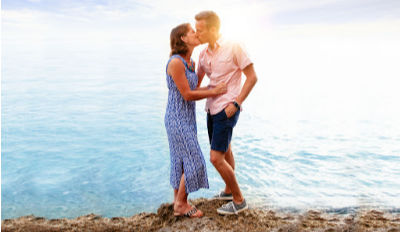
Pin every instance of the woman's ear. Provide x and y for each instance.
(183, 38)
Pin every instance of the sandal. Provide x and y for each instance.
(192, 213)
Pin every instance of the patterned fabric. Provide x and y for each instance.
(180, 123)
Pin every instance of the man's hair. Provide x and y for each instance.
(177, 44)
(211, 18)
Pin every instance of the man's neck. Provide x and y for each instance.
(213, 42)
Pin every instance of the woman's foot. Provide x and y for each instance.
(187, 211)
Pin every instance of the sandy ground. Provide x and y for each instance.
(251, 220)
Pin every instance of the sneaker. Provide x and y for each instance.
(223, 196)
(232, 208)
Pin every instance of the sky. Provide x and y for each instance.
(83, 18)
(308, 54)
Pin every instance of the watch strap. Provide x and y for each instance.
(236, 105)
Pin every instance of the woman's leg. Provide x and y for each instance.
(181, 197)
(181, 205)
(175, 194)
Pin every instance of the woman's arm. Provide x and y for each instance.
(177, 71)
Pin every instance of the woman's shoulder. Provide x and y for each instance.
(176, 61)
(175, 64)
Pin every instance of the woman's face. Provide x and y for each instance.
(190, 38)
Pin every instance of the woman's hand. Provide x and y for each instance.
(221, 88)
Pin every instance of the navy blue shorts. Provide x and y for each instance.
(220, 129)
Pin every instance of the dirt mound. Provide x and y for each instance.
(250, 220)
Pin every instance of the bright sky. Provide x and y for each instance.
(313, 58)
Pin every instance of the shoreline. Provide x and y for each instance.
(250, 220)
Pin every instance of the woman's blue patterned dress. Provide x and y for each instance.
(180, 123)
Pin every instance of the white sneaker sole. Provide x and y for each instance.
(223, 198)
(232, 213)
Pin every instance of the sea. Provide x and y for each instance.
(82, 131)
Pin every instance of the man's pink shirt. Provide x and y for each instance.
(224, 64)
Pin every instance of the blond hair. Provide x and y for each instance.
(211, 18)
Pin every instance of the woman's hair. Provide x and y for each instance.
(177, 44)
(211, 18)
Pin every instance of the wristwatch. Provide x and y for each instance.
(236, 105)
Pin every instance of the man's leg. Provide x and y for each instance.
(231, 161)
(228, 175)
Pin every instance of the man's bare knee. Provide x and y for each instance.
(229, 150)
(216, 157)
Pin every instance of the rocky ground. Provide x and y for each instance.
(251, 220)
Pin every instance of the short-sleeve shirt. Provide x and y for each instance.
(223, 64)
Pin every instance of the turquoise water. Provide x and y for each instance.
(83, 132)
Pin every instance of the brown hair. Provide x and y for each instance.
(177, 44)
(211, 18)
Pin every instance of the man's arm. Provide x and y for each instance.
(251, 79)
(200, 75)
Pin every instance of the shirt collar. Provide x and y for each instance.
(217, 44)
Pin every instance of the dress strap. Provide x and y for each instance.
(179, 57)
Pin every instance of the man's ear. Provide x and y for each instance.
(213, 30)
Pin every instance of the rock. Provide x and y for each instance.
(250, 220)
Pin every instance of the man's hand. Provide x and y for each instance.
(230, 110)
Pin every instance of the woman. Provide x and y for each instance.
(188, 168)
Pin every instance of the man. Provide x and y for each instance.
(223, 61)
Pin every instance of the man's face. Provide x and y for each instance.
(202, 31)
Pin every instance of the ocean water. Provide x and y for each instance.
(83, 132)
